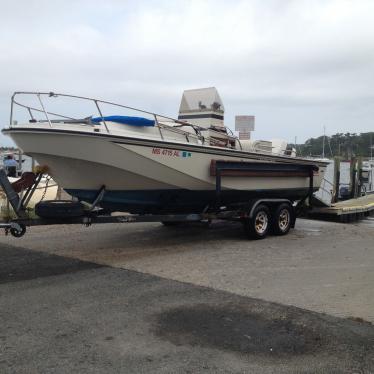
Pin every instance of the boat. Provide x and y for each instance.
(145, 163)
(46, 190)
(367, 177)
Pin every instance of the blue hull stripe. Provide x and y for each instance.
(177, 201)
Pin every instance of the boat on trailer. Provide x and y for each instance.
(147, 163)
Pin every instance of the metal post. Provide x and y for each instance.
(359, 177)
(218, 187)
(45, 112)
(101, 115)
(29, 193)
(159, 127)
(19, 167)
(310, 197)
(30, 112)
(336, 181)
(353, 174)
(11, 111)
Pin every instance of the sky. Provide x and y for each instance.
(295, 65)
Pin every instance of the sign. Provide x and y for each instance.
(244, 135)
(244, 123)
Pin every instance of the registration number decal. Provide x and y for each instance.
(170, 152)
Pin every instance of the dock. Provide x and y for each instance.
(346, 211)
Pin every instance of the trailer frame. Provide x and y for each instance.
(243, 212)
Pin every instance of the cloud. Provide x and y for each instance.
(296, 65)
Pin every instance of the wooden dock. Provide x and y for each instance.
(346, 211)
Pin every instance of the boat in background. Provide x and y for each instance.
(368, 176)
(146, 163)
(365, 181)
(46, 190)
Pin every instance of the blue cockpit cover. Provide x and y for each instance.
(126, 120)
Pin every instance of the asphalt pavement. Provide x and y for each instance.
(62, 313)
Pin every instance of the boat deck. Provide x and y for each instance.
(348, 210)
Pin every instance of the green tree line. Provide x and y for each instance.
(346, 145)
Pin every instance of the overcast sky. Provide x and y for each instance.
(296, 65)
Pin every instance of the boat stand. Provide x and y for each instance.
(30, 182)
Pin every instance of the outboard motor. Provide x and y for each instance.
(202, 107)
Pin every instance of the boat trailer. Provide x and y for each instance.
(243, 212)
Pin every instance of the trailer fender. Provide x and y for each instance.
(268, 202)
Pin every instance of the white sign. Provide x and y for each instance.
(244, 123)
(244, 135)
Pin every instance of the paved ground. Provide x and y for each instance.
(321, 266)
(60, 314)
(64, 316)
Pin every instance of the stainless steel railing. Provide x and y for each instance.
(157, 117)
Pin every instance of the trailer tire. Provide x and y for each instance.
(59, 209)
(282, 219)
(257, 226)
(18, 233)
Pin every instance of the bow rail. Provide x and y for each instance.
(98, 104)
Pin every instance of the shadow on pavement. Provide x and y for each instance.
(18, 264)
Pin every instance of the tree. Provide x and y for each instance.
(347, 145)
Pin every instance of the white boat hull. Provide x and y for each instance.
(145, 175)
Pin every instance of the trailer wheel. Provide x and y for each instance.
(59, 209)
(257, 227)
(18, 233)
(282, 219)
